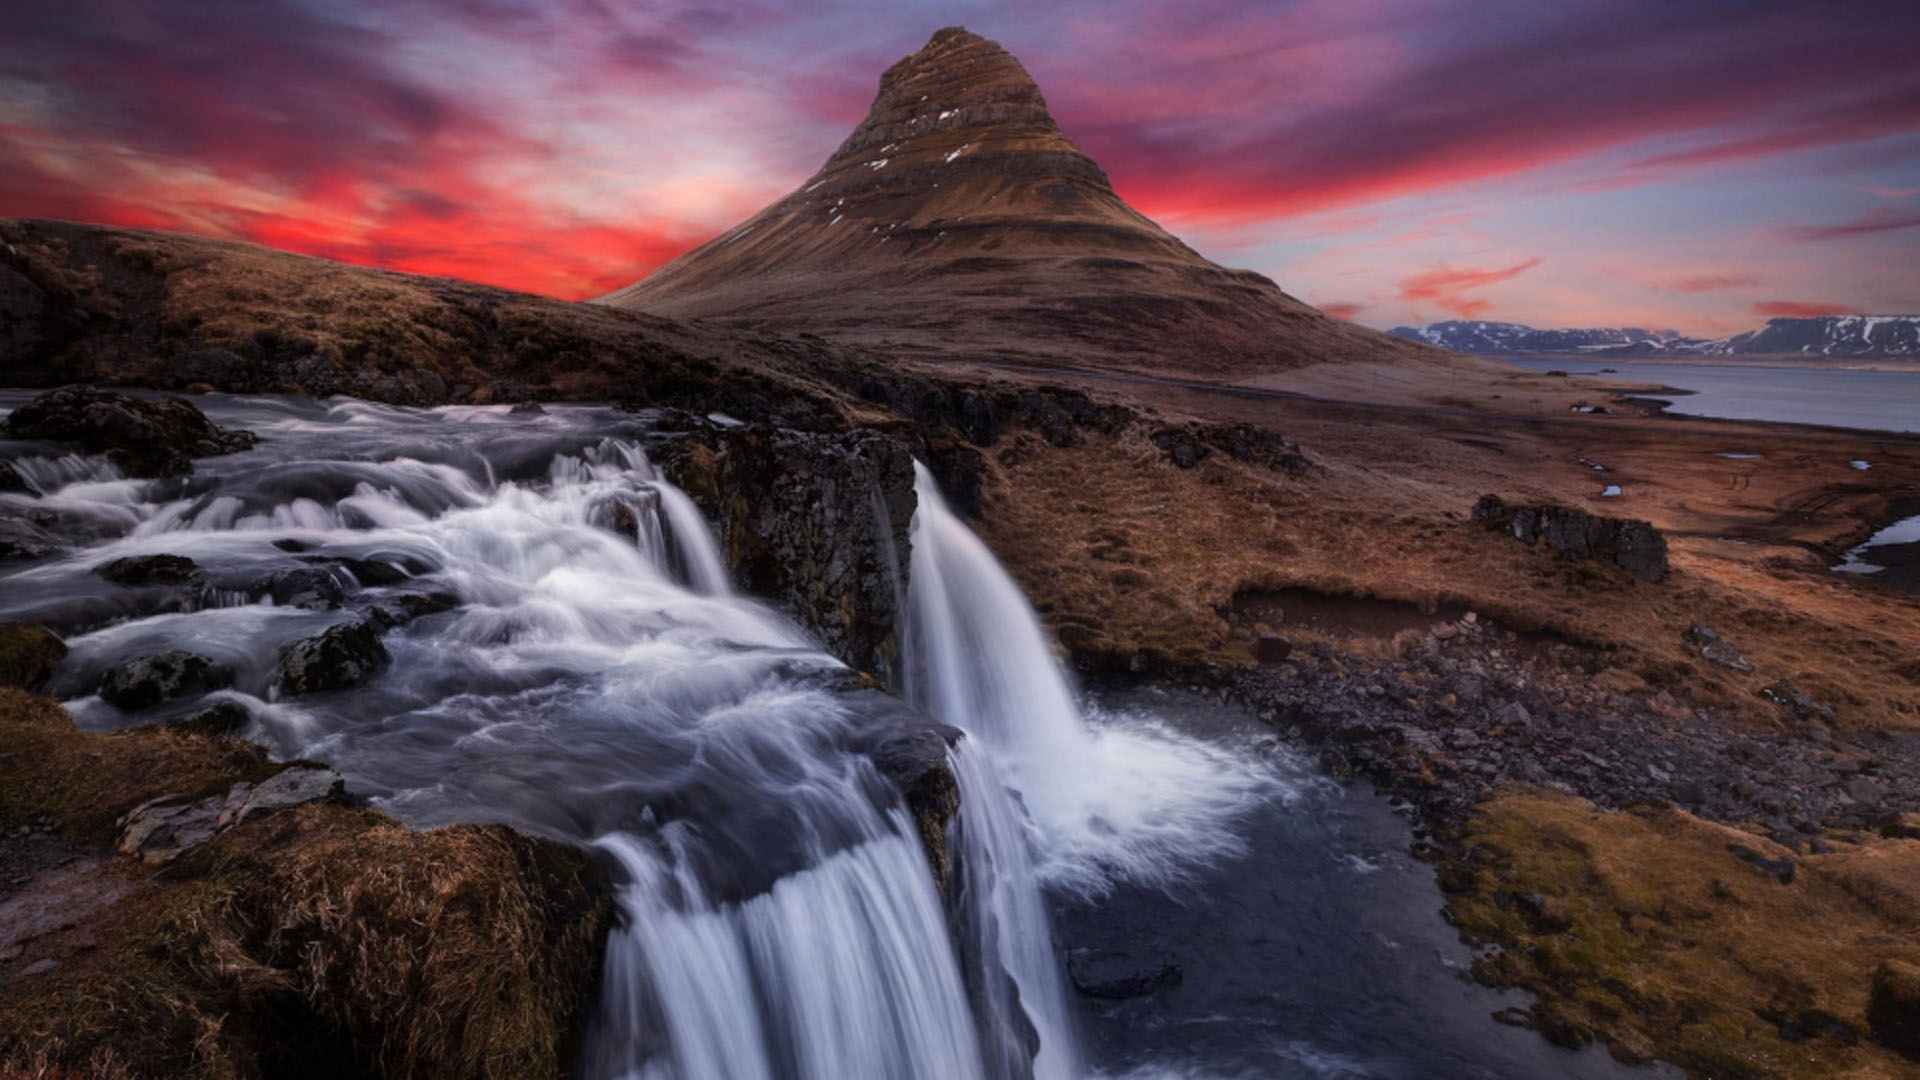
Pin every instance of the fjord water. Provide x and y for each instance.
(1827, 396)
(585, 672)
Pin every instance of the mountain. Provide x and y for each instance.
(1505, 339)
(1833, 335)
(958, 221)
(1864, 336)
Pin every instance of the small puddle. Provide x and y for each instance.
(1611, 491)
(1863, 466)
(1731, 455)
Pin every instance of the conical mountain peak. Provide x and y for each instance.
(958, 218)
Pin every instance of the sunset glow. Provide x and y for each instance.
(1695, 166)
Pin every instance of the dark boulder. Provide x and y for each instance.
(145, 437)
(146, 681)
(916, 761)
(337, 658)
(527, 408)
(220, 718)
(312, 587)
(136, 571)
(28, 655)
(11, 482)
(1631, 544)
(22, 538)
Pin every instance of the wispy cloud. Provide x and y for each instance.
(1799, 309)
(1880, 221)
(1706, 283)
(1447, 286)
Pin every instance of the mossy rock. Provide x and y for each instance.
(28, 655)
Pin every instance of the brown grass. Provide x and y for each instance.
(1131, 557)
(1651, 934)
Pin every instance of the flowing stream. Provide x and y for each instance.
(569, 657)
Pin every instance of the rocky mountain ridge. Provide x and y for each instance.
(1825, 335)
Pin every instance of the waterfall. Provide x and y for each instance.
(1050, 797)
(840, 970)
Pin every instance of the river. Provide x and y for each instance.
(1831, 397)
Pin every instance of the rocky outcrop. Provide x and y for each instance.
(162, 829)
(1191, 444)
(145, 681)
(28, 655)
(144, 437)
(915, 759)
(336, 658)
(817, 524)
(1630, 544)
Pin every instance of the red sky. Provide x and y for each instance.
(1693, 165)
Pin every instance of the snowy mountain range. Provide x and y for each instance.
(1827, 335)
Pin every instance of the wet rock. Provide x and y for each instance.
(220, 718)
(1115, 976)
(11, 482)
(135, 571)
(818, 524)
(1893, 1007)
(28, 655)
(1631, 544)
(145, 437)
(400, 610)
(295, 786)
(337, 658)
(915, 761)
(527, 408)
(310, 587)
(145, 681)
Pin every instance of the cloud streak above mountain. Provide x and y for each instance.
(567, 148)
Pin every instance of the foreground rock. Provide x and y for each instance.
(289, 935)
(160, 830)
(337, 658)
(1632, 545)
(144, 437)
(145, 681)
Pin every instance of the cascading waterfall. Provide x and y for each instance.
(1047, 798)
(589, 675)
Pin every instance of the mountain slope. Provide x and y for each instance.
(957, 220)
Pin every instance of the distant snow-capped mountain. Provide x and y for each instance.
(1827, 335)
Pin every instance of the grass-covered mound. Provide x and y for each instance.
(325, 940)
(1672, 937)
